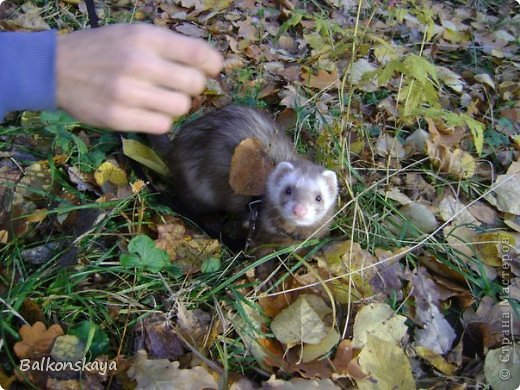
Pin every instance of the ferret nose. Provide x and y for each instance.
(299, 210)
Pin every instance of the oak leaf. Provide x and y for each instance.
(36, 341)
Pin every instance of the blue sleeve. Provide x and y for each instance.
(27, 71)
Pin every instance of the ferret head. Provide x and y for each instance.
(302, 192)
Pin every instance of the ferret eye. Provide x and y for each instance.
(288, 191)
(318, 198)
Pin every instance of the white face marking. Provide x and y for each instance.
(295, 195)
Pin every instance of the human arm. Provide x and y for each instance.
(131, 77)
(27, 71)
(125, 77)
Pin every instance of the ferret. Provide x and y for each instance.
(299, 197)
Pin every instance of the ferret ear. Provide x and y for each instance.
(281, 169)
(331, 180)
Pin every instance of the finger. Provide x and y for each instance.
(175, 76)
(189, 51)
(143, 95)
(131, 119)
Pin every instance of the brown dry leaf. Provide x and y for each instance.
(247, 30)
(30, 19)
(160, 338)
(249, 168)
(163, 374)
(345, 363)
(361, 69)
(488, 319)
(291, 98)
(36, 340)
(446, 136)
(36, 177)
(272, 305)
(436, 334)
(388, 146)
(191, 30)
(186, 249)
(194, 325)
(454, 210)
(299, 384)
(484, 213)
(321, 79)
(170, 236)
(457, 163)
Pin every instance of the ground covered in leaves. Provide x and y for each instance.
(414, 105)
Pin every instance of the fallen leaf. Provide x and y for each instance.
(507, 191)
(436, 360)
(378, 319)
(345, 363)
(163, 374)
(493, 246)
(160, 337)
(67, 348)
(299, 384)
(457, 163)
(501, 367)
(250, 167)
(436, 334)
(145, 156)
(194, 325)
(321, 79)
(484, 78)
(388, 146)
(454, 210)
(360, 69)
(109, 172)
(299, 323)
(386, 365)
(314, 351)
(36, 340)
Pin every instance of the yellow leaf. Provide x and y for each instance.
(378, 319)
(492, 247)
(457, 163)
(37, 216)
(299, 323)
(137, 186)
(109, 172)
(4, 236)
(455, 36)
(145, 156)
(314, 351)
(387, 366)
(436, 360)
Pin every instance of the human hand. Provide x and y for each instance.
(131, 77)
